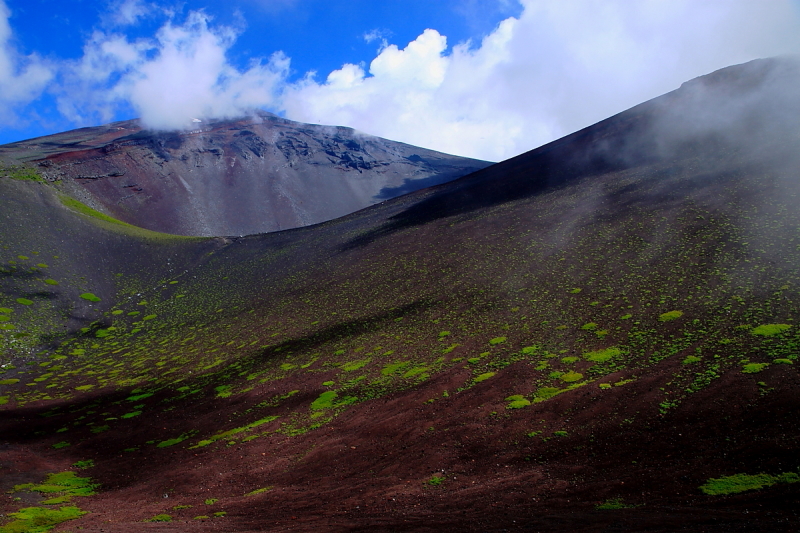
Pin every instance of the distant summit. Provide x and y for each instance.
(233, 177)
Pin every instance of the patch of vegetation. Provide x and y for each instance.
(770, 330)
(670, 315)
(176, 440)
(62, 487)
(88, 463)
(601, 356)
(258, 491)
(483, 377)
(497, 340)
(84, 209)
(40, 519)
(89, 297)
(570, 377)
(160, 518)
(21, 173)
(612, 504)
(691, 359)
(744, 482)
(518, 401)
(754, 368)
(545, 393)
(234, 431)
(435, 481)
(355, 365)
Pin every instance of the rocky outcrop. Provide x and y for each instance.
(252, 175)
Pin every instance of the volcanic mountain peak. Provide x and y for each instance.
(600, 334)
(233, 177)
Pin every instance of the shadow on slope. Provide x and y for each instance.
(748, 111)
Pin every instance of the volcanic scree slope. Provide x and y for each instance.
(599, 333)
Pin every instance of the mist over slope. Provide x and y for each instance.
(601, 333)
(236, 177)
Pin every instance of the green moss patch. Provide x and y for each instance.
(670, 315)
(754, 368)
(40, 519)
(258, 491)
(90, 297)
(355, 365)
(517, 401)
(770, 330)
(173, 442)
(612, 504)
(545, 393)
(744, 482)
(234, 431)
(601, 356)
(483, 377)
(62, 487)
(160, 518)
(570, 377)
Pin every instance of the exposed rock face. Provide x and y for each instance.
(240, 177)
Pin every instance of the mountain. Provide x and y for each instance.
(600, 334)
(236, 177)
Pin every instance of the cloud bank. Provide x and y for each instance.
(559, 67)
(555, 68)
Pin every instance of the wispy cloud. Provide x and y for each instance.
(22, 77)
(129, 12)
(382, 36)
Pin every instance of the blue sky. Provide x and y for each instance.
(483, 78)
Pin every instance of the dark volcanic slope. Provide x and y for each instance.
(577, 339)
(240, 177)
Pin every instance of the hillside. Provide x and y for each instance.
(233, 177)
(599, 334)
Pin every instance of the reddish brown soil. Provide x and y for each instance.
(365, 471)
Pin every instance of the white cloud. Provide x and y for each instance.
(22, 77)
(557, 68)
(180, 74)
(129, 12)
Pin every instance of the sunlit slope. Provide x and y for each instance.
(552, 333)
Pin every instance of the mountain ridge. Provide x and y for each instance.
(232, 177)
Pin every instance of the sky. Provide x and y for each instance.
(481, 78)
